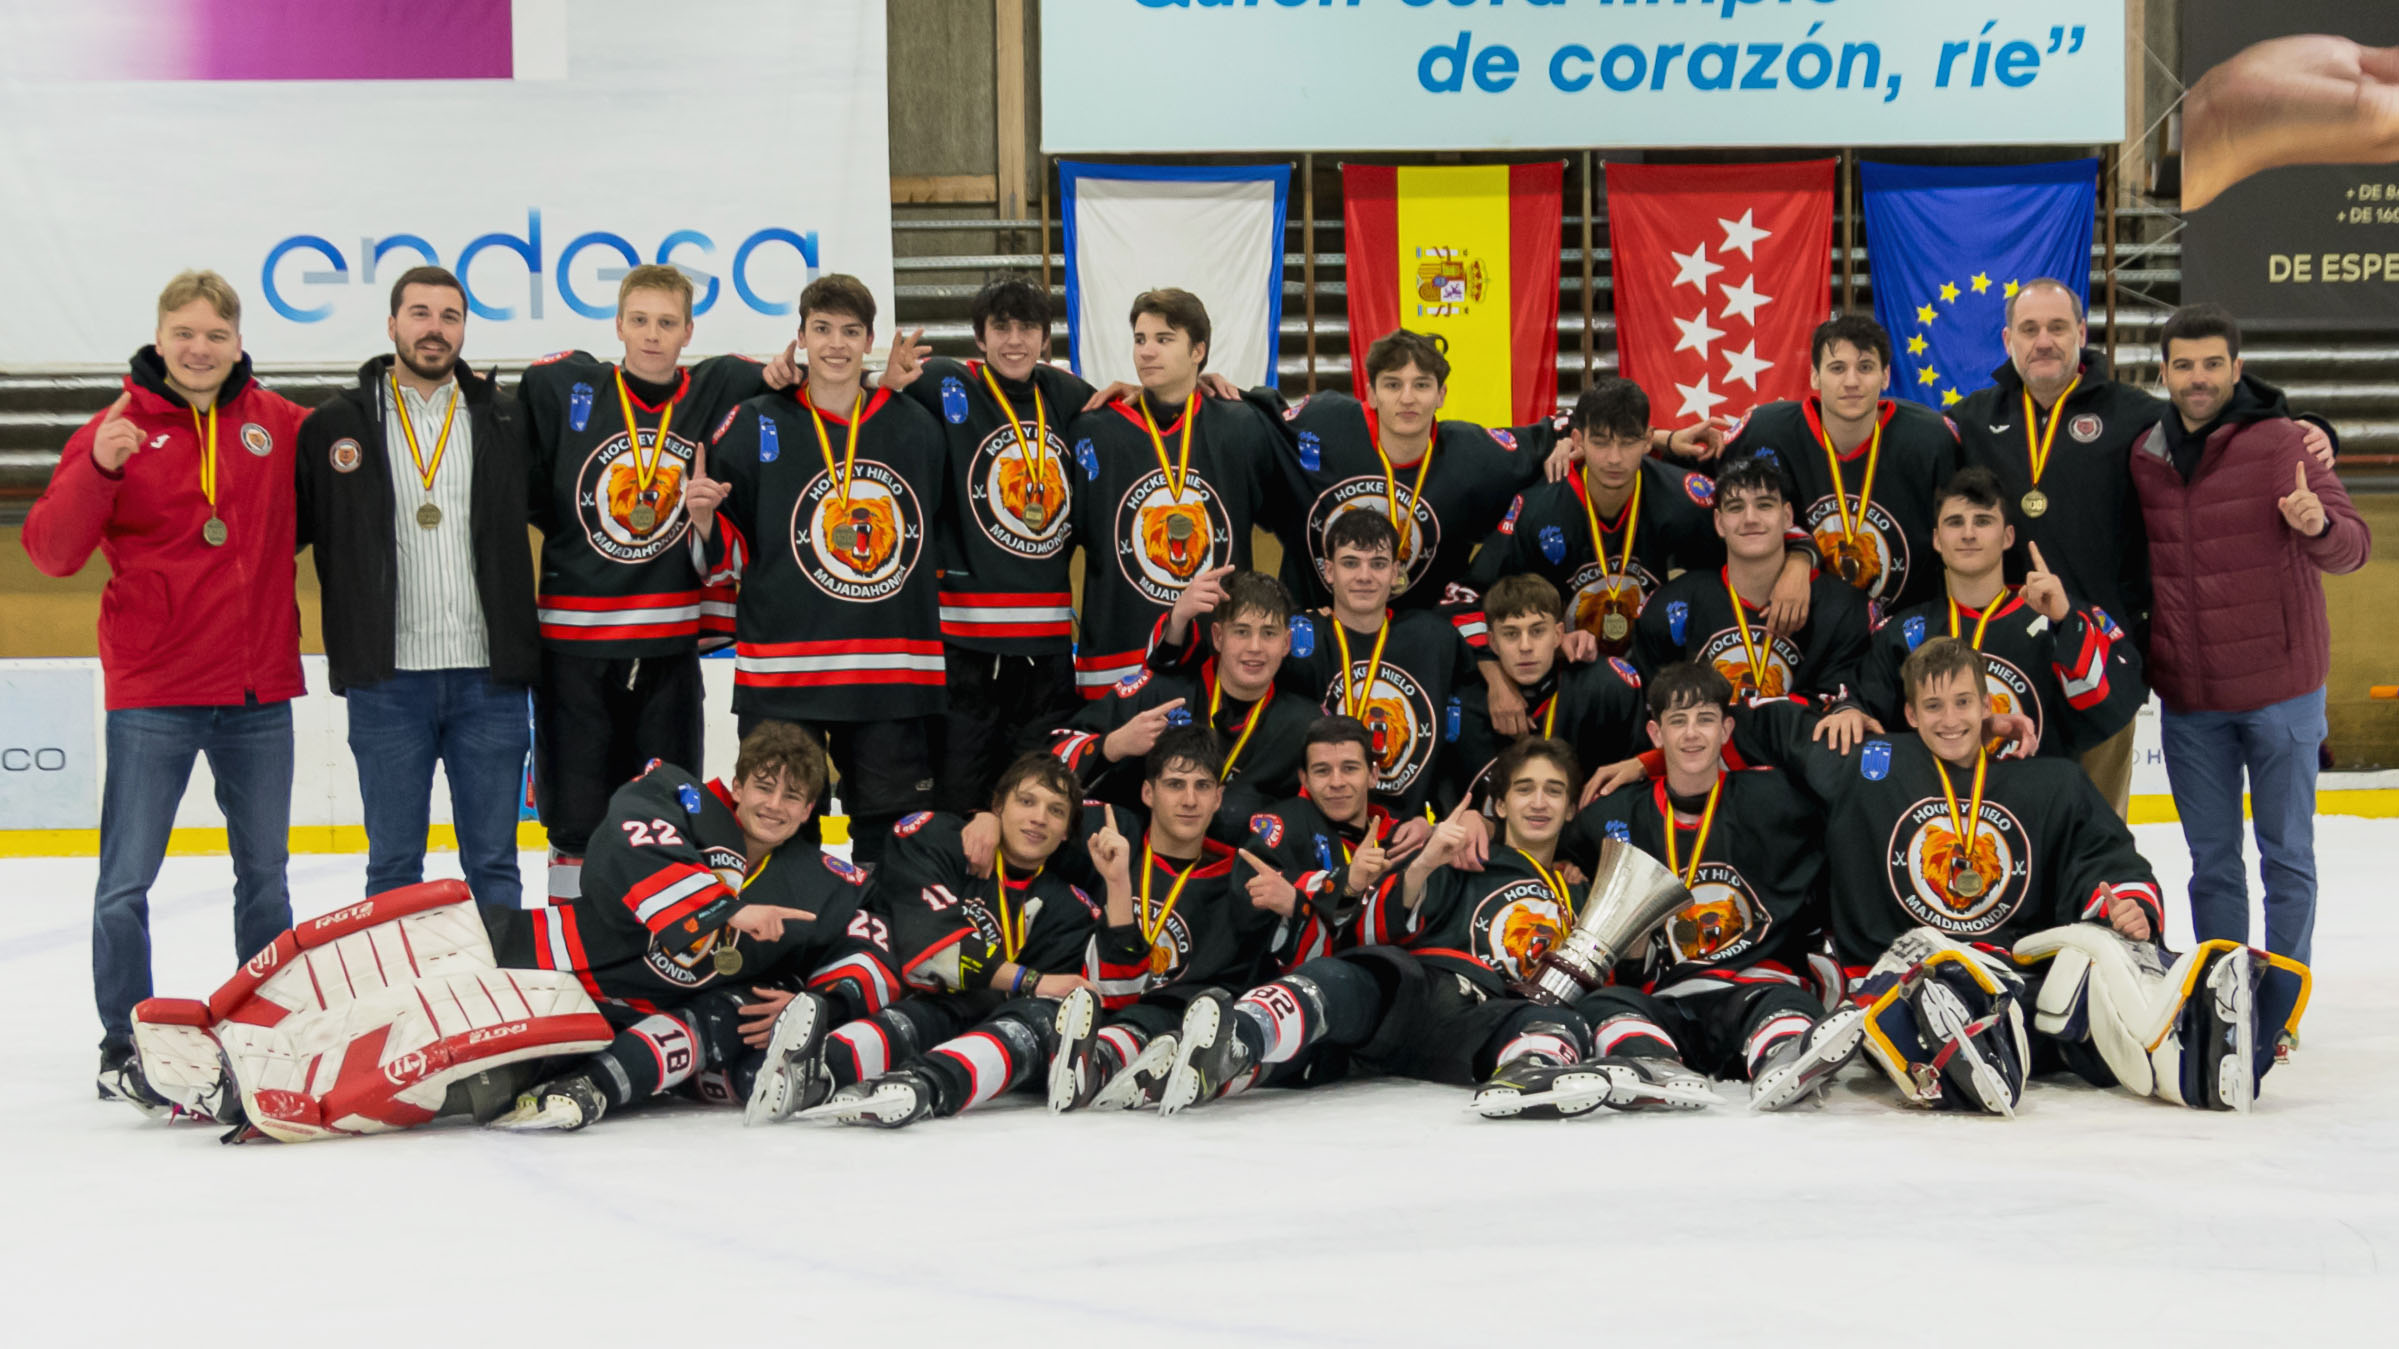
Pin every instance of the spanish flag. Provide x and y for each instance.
(1470, 253)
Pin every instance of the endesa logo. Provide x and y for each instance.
(288, 280)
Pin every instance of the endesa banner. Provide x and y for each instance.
(1507, 74)
(537, 148)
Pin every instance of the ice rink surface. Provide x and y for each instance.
(1367, 1214)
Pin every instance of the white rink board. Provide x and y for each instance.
(1367, 1214)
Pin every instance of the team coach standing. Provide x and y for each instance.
(2242, 523)
(412, 487)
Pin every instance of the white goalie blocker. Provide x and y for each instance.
(361, 1021)
(2187, 1032)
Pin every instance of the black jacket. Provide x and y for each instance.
(346, 509)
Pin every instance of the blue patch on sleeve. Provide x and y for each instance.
(953, 400)
(1311, 451)
(1181, 716)
(1303, 637)
(578, 406)
(1089, 458)
(1678, 619)
(768, 445)
(1618, 830)
(1553, 544)
(690, 797)
(1913, 631)
(1453, 720)
(1324, 852)
(1874, 760)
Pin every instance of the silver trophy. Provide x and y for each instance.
(1631, 894)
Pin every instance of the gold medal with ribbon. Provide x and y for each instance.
(2037, 446)
(1689, 875)
(728, 955)
(1013, 931)
(1152, 920)
(1034, 455)
(1401, 522)
(644, 516)
(1178, 525)
(1257, 713)
(1614, 625)
(1354, 696)
(1753, 681)
(428, 515)
(1851, 564)
(1965, 879)
(214, 532)
(845, 527)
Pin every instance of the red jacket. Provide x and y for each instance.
(2238, 622)
(183, 624)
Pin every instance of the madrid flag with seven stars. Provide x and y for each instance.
(1721, 272)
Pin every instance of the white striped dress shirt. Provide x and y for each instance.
(439, 615)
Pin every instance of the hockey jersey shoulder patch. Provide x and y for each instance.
(1089, 458)
(690, 797)
(1625, 671)
(1553, 544)
(1874, 760)
(843, 869)
(1088, 902)
(555, 357)
(1268, 827)
(1507, 523)
(953, 400)
(1311, 449)
(1505, 439)
(1701, 489)
(1911, 630)
(908, 827)
(1303, 637)
(724, 425)
(1678, 620)
(1133, 683)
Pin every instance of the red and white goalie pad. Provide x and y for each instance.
(360, 1021)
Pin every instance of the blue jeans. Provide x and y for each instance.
(2206, 755)
(480, 731)
(150, 753)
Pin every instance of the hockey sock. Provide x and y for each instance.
(1276, 1021)
(992, 1058)
(866, 1049)
(1541, 1043)
(1117, 1045)
(1770, 1034)
(657, 1053)
(1633, 1035)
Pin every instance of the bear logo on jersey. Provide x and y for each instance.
(1517, 924)
(1960, 888)
(1723, 921)
(1731, 656)
(257, 440)
(1171, 948)
(2011, 692)
(609, 492)
(1398, 713)
(1420, 532)
(1164, 538)
(1590, 606)
(346, 455)
(861, 546)
(1021, 504)
(1875, 559)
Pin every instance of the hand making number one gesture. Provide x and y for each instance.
(2302, 508)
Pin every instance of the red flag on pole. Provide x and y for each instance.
(1721, 272)
(1469, 252)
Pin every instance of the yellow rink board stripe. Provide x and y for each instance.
(336, 838)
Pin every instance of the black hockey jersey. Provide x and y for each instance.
(617, 579)
(2090, 528)
(839, 617)
(958, 928)
(664, 873)
(2079, 680)
(1491, 927)
(1264, 764)
(1193, 924)
(1313, 852)
(1913, 455)
(1595, 707)
(1399, 685)
(1757, 888)
(1469, 478)
(1547, 532)
(1691, 618)
(2044, 849)
(1144, 537)
(1007, 537)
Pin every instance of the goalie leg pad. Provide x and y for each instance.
(181, 1059)
(1946, 1024)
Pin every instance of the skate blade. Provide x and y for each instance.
(2234, 1003)
(1123, 1091)
(533, 1117)
(1183, 1085)
(789, 1034)
(1562, 1099)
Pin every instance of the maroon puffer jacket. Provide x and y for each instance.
(2238, 621)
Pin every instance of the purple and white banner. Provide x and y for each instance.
(311, 150)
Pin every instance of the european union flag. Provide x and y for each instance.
(1949, 245)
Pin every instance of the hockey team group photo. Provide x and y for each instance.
(1274, 644)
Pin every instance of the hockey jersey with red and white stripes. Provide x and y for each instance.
(617, 578)
(2079, 679)
(1147, 529)
(1009, 532)
(839, 618)
(665, 873)
(1204, 933)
